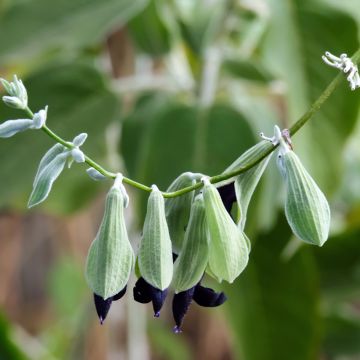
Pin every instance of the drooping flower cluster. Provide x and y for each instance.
(185, 238)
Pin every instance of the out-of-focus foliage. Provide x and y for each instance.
(8, 349)
(195, 82)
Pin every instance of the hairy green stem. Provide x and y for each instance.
(217, 178)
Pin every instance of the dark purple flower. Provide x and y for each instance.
(207, 297)
(144, 293)
(203, 296)
(180, 306)
(228, 196)
(103, 306)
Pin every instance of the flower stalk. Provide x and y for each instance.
(217, 178)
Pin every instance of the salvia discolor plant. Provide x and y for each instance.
(190, 231)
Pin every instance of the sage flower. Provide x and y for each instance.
(144, 293)
(103, 306)
(203, 296)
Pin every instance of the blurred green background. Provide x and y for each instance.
(162, 87)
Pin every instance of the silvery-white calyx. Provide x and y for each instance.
(16, 90)
(76, 154)
(39, 118)
(95, 174)
(12, 127)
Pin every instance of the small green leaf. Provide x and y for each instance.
(191, 263)
(111, 257)
(177, 209)
(155, 253)
(229, 252)
(307, 210)
(45, 178)
(245, 185)
(60, 25)
(149, 30)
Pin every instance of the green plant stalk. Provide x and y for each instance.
(217, 178)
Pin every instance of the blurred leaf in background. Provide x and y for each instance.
(274, 306)
(8, 349)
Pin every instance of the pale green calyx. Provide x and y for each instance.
(245, 185)
(191, 264)
(118, 183)
(16, 90)
(155, 253)
(177, 209)
(306, 208)
(111, 258)
(228, 248)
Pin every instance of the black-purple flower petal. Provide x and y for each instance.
(142, 291)
(145, 292)
(180, 306)
(158, 300)
(103, 306)
(119, 295)
(228, 196)
(207, 297)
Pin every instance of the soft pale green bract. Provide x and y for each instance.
(12, 127)
(306, 208)
(246, 159)
(155, 253)
(245, 185)
(177, 209)
(111, 258)
(50, 167)
(191, 263)
(229, 251)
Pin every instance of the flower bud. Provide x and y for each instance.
(177, 209)
(155, 253)
(306, 208)
(18, 96)
(111, 257)
(228, 252)
(191, 263)
(14, 102)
